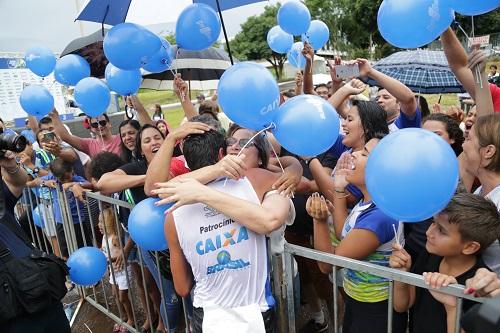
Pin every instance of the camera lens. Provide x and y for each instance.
(13, 142)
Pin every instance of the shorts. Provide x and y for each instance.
(121, 278)
(49, 222)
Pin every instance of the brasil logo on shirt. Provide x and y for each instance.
(225, 262)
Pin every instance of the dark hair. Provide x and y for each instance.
(44, 121)
(493, 66)
(157, 108)
(486, 129)
(59, 167)
(452, 128)
(105, 117)
(373, 119)
(210, 121)
(138, 138)
(423, 105)
(103, 163)
(320, 85)
(126, 154)
(201, 150)
(163, 121)
(210, 108)
(289, 93)
(1, 120)
(38, 133)
(477, 218)
(259, 141)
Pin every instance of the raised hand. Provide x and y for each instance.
(189, 128)
(318, 208)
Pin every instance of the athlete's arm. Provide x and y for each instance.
(181, 270)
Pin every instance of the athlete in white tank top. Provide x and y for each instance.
(229, 262)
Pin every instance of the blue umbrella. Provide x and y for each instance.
(422, 71)
(110, 12)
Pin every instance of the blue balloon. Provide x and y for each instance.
(317, 35)
(36, 100)
(474, 7)
(40, 60)
(197, 28)
(130, 46)
(249, 95)
(412, 174)
(306, 125)
(295, 57)
(278, 40)
(411, 24)
(70, 69)
(87, 266)
(121, 81)
(161, 60)
(145, 225)
(294, 18)
(37, 217)
(92, 96)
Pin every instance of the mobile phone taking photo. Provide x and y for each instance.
(346, 71)
(49, 136)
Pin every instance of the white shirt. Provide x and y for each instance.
(491, 256)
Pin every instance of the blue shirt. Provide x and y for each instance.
(73, 203)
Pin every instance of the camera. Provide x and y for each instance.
(13, 142)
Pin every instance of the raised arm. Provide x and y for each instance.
(308, 53)
(13, 175)
(402, 93)
(182, 92)
(353, 87)
(482, 93)
(142, 114)
(457, 60)
(62, 132)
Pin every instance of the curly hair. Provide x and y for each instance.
(452, 128)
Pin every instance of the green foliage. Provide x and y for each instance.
(170, 37)
(251, 42)
(483, 24)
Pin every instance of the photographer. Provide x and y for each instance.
(33, 282)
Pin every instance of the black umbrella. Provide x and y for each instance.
(90, 47)
(202, 69)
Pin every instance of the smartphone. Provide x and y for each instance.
(49, 136)
(346, 71)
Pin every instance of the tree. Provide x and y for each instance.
(251, 42)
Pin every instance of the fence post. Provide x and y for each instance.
(289, 290)
(280, 292)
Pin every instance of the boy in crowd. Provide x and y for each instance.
(455, 240)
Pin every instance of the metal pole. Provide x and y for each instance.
(225, 33)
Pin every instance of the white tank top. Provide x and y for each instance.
(229, 262)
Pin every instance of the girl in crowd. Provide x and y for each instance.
(119, 277)
(128, 131)
(162, 126)
(481, 158)
(367, 234)
(158, 114)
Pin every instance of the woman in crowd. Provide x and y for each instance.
(367, 234)
(128, 132)
(158, 114)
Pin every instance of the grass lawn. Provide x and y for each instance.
(174, 117)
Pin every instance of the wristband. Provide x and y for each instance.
(337, 190)
(309, 161)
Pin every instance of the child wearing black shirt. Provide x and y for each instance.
(455, 240)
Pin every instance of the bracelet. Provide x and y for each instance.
(339, 190)
(16, 170)
(343, 197)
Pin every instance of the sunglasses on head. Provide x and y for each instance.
(241, 142)
(102, 123)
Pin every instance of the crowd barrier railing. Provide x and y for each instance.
(77, 226)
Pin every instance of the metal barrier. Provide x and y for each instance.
(381, 271)
(76, 227)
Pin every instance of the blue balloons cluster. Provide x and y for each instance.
(87, 266)
(40, 60)
(412, 23)
(295, 57)
(412, 174)
(249, 95)
(198, 27)
(123, 82)
(37, 217)
(474, 7)
(306, 125)
(130, 46)
(161, 60)
(145, 225)
(294, 18)
(317, 35)
(36, 100)
(92, 96)
(278, 40)
(70, 69)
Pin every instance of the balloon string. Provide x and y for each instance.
(396, 235)
(271, 126)
(469, 42)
